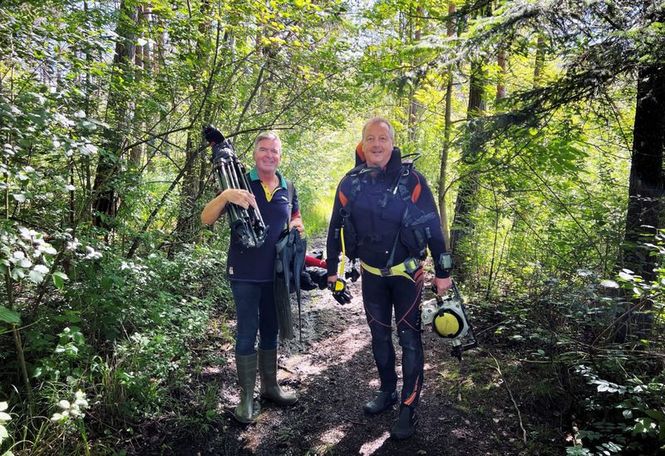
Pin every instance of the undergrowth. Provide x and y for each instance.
(118, 340)
(589, 361)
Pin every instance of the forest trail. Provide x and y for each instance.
(464, 410)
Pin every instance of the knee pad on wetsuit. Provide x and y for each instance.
(409, 339)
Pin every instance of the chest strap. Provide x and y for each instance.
(405, 269)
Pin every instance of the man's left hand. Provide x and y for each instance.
(443, 285)
(339, 291)
(297, 224)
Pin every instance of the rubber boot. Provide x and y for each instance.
(382, 402)
(405, 426)
(269, 388)
(247, 411)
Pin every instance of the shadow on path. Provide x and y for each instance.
(334, 374)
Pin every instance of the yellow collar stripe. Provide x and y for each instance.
(269, 194)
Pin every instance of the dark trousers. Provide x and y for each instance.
(256, 311)
(380, 296)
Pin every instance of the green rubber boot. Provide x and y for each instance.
(247, 411)
(269, 388)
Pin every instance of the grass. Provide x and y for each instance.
(316, 218)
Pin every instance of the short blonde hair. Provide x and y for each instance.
(383, 120)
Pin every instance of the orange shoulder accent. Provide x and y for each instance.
(415, 194)
(342, 198)
(360, 152)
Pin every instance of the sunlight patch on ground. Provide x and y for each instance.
(230, 396)
(330, 437)
(301, 368)
(335, 351)
(211, 370)
(298, 370)
(370, 447)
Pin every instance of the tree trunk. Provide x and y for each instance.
(143, 64)
(446, 136)
(413, 116)
(466, 203)
(187, 222)
(501, 82)
(20, 355)
(645, 205)
(500, 95)
(414, 106)
(540, 61)
(646, 184)
(105, 203)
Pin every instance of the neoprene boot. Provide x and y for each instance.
(269, 388)
(405, 426)
(382, 402)
(247, 411)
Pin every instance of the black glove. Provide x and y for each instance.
(306, 282)
(213, 135)
(353, 273)
(318, 275)
(340, 292)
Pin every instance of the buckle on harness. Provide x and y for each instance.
(385, 272)
(411, 265)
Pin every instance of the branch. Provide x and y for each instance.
(558, 199)
(153, 214)
(255, 89)
(155, 136)
(512, 398)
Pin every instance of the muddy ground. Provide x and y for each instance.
(465, 409)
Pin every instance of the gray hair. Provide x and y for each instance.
(383, 120)
(272, 135)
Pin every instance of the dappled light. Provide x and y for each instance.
(185, 184)
(370, 448)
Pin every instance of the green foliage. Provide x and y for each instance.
(628, 418)
(4, 418)
(113, 309)
(617, 387)
(627, 407)
(316, 175)
(144, 314)
(25, 254)
(9, 316)
(99, 98)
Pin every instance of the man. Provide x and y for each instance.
(387, 217)
(250, 271)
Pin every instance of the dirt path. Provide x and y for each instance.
(464, 410)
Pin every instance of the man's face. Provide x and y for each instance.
(267, 155)
(377, 145)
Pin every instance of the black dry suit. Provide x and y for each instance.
(389, 219)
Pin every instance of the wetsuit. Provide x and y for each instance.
(375, 201)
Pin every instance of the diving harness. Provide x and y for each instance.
(449, 321)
